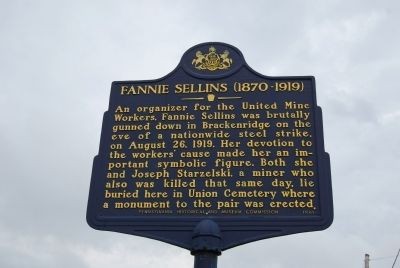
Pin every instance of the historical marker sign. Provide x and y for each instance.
(212, 140)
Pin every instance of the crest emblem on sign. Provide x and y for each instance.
(212, 60)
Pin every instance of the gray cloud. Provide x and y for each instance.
(59, 59)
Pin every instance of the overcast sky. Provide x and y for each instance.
(57, 62)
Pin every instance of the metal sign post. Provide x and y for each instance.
(206, 245)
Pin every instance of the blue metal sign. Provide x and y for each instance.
(216, 145)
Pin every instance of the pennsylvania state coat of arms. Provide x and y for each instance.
(212, 60)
